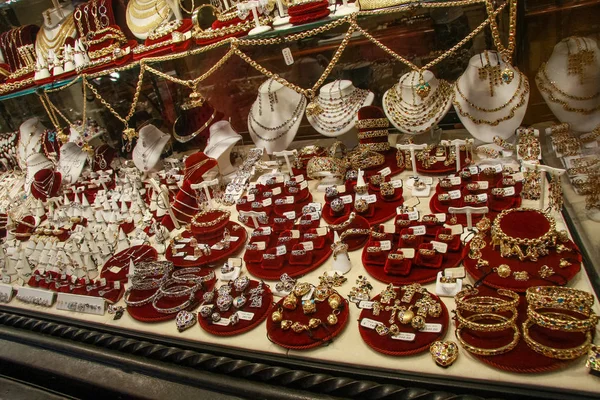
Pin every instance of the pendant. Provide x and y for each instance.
(185, 320)
(313, 108)
(423, 88)
(507, 75)
(444, 353)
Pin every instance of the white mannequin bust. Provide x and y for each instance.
(554, 77)
(406, 93)
(333, 121)
(275, 116)
(30, 135)
(222, 139)
(143, 16)
(71, 163)
(477, 92)
(149, 147)
(58, 21)
(36, 162)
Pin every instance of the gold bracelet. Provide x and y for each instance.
(560, 297)
(384, 146)
(321, 167)
(488, 352)
(224, 215)
(561, 321)
(344, 224)
(372, 123)
(373, 134)
(551, 352)
(486, 304)
(366, 159)
(353, 232)
(465, 322)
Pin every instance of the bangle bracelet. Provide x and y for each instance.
(353, 232)
(488, 352)
(173, 288)
(561, 354)
(372, 123)
(560, 297)
(485, 327)
(561, 321)
(344, 224)
(373, 134)
(223, 216)
(486, 304)
(138, 303)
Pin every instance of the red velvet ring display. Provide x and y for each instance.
(319, 256)
(521, 359)
(393, 347)
(305, 18)
(437, 207)
(235, 229)
(354, 242)
(260, 314)
(303, 341)
(382, 211)
(121, 260)
(147, 312)
(439, 167)
(307, 8)
(46, 183)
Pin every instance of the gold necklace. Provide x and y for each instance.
(490, 110)
(46, 44)
(544, 76)
(564, 104)
(140, 10)
(154, 22)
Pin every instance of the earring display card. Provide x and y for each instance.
(82, 304)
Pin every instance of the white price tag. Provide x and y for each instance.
(280, 250)
(455, 229)
(432, 328)
(234, 238)
(405, 336)
(290, 214)
(427, 180)
(440, 247)
(288, 200)
(518, 177)
(440, 217)
(369, 323)
(295, 234)
(397, 184)
(389, 228)
(299, 178)
(222, 322)
(497, 168)
(276, 191)
(261, 245)
(317, 206)
(180, 254)
(287, 56)
(266, 231)
(267, 202)
(482, 197)
(322, 231)
(454, 194)
(367, 305)
(234, 262)
(315, 216)
(245, 315)
(370, 199)
(458, 272)
(180, 246)
(408, 252)
(385, 245)
(385, 172)
(483, 185)
(474, 170)
(419, 230)
(303, 185)
(190, 258)
(413, 215)
(308, 246)
(347, 199)
(251, 197)
(455, 180)
(509, 191)
(184, 240)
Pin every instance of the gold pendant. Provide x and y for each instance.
(313, 108)
(423, 88)
(507, 75)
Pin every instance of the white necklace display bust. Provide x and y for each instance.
(30, 135)
(275, 116)
(71, 163)
(222, 139)
(572, 94)
(149, 147)
(486, 115)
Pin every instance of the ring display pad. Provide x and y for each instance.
(438, 166)
(116, 268)
(423, 98)
(147, 312)
(307, 339)
(521, 359)
(405, 345)
(244, 325)
(491, 97)
(335, 111)
(527, 224)
(572, 92)
(409, 238)
(484, 182)
(216, 255)
(275, 116)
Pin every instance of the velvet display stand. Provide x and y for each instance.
(121, 260)
(243, 325)
(216, 33)
(307, 339)
(169, 46)
(526, 224)
(354, 242)
(147, 312)
(305, 13)
(44, 185)
(380, 211)
(393, 347)
(216, 256)
(439, 168)
(419, 270)
(521, 359)
(272, 270)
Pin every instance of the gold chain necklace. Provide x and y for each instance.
(490, 110)
(46, 44)
(156, 10)
(140, 10)
(543, 75)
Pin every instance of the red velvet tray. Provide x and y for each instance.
(302, 341)
(354, 242)
(121, 260)
(521, 359)
(216, 255)
(390, 161)
(242, 326)
(393, 347)
(319, 257)
(383, 211)
(147, 312)
(439, 168)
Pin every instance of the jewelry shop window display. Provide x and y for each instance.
(491, 97)
(18, 51)
(417, 102)
(149, 147)
(275, 116)
(570, 83)
(334, 111)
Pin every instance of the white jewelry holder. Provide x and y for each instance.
(7, 290)
(287, 112)
(30, 135)
(236, 263)
(282, 21)
(58, 68)
(72, 161)
(556, 71)
(341, 263)
(457, 143)
(41, 70)
(204, 185)
(447, 289)
(221, 141)
(412, 148)
(50, 29)
(163, 192)
(477, 91)
(543, 168)
(44, 295)
(150, 145)
(254, 215)
(346, 9)
(83, 304)
(468, 211)
(286, 154)
(253, 7)
(345, 87)
(69, 64)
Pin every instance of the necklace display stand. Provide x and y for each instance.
(58, 27)
(499, 114)
(258, 29)
(457, 143)
(404, 100)
(275, 116)
(470, 230)
(221, 141)
(335, 111)
(572, 97)
(71, 162)
(35, 162)
(30, 135)
(282, 21)
(144, 16)
(150, 145)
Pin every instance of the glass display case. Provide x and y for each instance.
(302, 198)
